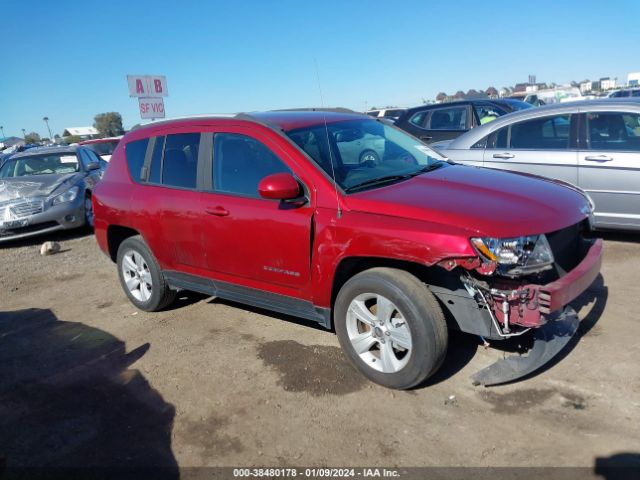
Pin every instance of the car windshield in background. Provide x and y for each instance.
(58, 163)
(365, 153)
(104, 148)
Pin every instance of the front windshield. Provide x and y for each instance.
(104, 148)
(54, 163)
(365, 151)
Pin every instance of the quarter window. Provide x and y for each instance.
(180, 162)
(613, 131)
(547, 133)
(240, 162)
(419, 119)
(454, 118)
(135, 152)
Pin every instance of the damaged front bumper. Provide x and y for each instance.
(41, 219)
(543, 308)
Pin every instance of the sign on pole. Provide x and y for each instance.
(150, 86)
(149, 89)
(151, 107)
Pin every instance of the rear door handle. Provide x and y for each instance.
(503, 155)
(598, 158)
(217, 211)
(426, 138)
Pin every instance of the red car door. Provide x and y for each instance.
(247, 239)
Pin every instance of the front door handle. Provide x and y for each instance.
(217, 211)
(503, 155)
(598, 158)
(426, 138)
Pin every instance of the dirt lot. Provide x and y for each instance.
(86, 379)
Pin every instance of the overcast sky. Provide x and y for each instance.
(68, 60)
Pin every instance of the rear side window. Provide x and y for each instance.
(135, 152)
(453, 118)
(547, 133)
(419, 119)
(180, 162)
(240, 162)
(614, 131)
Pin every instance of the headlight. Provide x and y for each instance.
(516, 256)
(68, 196)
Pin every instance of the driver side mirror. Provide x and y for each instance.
(279, 186)
(93, 166)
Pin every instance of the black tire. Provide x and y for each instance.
(88, 213)
(369, 156)
(161, 295)
(423, 316)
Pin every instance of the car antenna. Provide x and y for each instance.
(326, 129)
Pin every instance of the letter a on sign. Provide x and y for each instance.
(139, 86)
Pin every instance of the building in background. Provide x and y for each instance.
(85, 133)
(607, 83)
(633, 79)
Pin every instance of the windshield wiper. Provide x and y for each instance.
(376, 181)
(428, 168)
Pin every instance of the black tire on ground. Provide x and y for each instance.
(423, 317)
(369, 156)
(88, 213)
(161, 295)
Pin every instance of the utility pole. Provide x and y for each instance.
(46, 120)
(24, 134)
(2, 130)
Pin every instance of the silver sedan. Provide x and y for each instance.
(594, 145)
(47, 189)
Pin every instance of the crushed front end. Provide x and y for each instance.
(526, 283)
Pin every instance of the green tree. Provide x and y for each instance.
(32, 137)
(109, 124)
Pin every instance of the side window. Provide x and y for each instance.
(240, 162)
(613, 131)
(498, 139)
(419, 119)
(155, 170)
(547, 133)
(135, 152)
(453, 118)
(487, 113)
(180, 162)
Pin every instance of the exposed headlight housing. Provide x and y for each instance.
(516, 256)
(68, 196)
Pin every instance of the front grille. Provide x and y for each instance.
(567, 246)
(25, 208)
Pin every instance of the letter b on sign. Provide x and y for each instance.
(157, 85)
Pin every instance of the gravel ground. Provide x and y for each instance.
(86, 379)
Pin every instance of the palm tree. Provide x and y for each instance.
(46, 120)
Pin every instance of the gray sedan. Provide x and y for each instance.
(594, 145)
(47, 189)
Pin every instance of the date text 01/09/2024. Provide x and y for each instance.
(316, 472)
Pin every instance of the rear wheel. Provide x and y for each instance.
(391, 327)
(141, 277)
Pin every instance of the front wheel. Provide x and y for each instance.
(391, 327)
(141, 277)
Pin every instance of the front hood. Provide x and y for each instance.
(482, 201)
(34, 186)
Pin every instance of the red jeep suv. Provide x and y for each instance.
(349, 222)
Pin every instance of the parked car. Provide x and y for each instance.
(592, 144)
(102, 146)
(444, 121)
(43, 190)
(265, 209)
(628, 92)
(388, 113)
